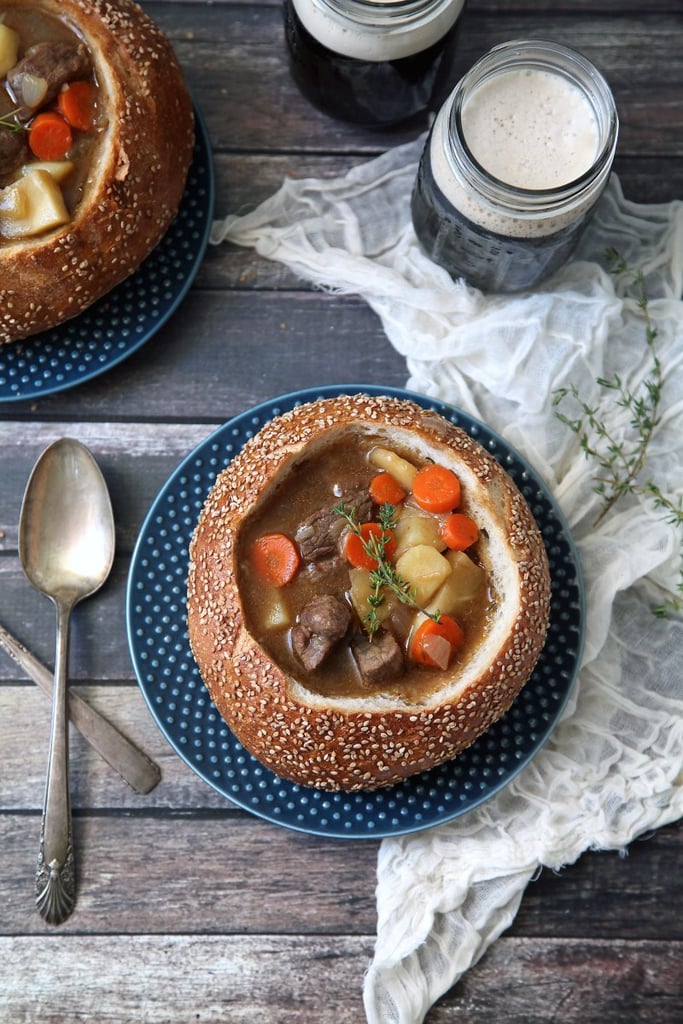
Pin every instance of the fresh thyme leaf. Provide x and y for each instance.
(616, 259)
(384, 577)
(8, 121)
(620, 464)
(388, 517)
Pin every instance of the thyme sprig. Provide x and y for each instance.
(621, 463)
(8, 121)
(384, 577)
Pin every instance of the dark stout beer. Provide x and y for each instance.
(372, 62)
(485, 259)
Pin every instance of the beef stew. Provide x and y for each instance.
(332, 627)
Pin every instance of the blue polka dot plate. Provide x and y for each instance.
(128, 316)
(178, 700)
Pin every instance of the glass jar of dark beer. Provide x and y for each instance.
(372, 62)
(515, 161)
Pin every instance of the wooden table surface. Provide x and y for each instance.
(188, 908)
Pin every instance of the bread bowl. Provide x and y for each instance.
(129, 166)
(329, 728)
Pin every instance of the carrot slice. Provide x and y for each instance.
(49, 136)
(356, 545)
(459, 532)
(447, 629)
(76, 104)
(436, 489)
(386, 490)
(275, 558)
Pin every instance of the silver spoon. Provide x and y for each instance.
(66, 546)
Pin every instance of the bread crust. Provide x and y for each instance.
(361, 743)
(137, 179)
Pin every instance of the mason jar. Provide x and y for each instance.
(515, 162)
(372, 62)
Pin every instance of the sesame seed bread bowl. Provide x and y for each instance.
(365, 741)
(136, 177)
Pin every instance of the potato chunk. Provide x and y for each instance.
(425, 569)
(9, 49)
(401, 470)
(58, 169)
(32, 205)
(465, 583)
(362, 589)
(413, 528)
(276, 614)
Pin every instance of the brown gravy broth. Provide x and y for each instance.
(36, 27)
(315, 483)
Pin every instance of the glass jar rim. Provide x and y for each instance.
(537, 53)
(383, 13)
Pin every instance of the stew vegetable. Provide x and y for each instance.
(50, 122)
(364, 572)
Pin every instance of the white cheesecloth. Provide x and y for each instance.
(613, 768)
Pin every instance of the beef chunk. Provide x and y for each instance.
(326, 615)
(56, 63)
(318, 535)
(379, 659)
(311, 650)
(13, 150)
(358, 501)
(322, 623)
(13, 145)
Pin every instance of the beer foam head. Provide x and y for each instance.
(377, 30)
(531, 128)
(523, 148)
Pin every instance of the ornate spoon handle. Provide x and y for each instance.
(55, 875)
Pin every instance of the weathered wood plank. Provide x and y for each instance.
(97, 650)
(244, 181)
(603, 894)
(228, 351)
(206, 979)
(24, 736)
(218, 869)
(611, 896)
(160, 9)
(531, 981)
(136, 459)
(234, 58)
(290, 979)
(177, 874)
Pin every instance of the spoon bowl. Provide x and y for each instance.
(66, 547)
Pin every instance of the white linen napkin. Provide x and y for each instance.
(613, 768)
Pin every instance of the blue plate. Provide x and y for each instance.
(178, 700)
(120, 322)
